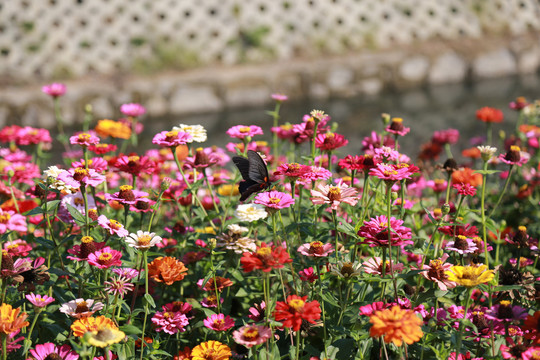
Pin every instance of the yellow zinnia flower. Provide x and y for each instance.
(470, 276)
(113, 129)
(104, 337)
(211, 350)
(10, 320)
(83, 325)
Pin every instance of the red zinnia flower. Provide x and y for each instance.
(265, 258)
(490, 115)
(330, 141)
(295, 309)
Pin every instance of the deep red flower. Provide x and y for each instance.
(295, 309)
(265, 258)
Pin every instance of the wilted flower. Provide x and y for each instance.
(80, 308)
(346, 269)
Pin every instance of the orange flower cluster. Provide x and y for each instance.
(166, 270)
(396, 325)
(83, 325)
(489, 115)
(10, 320)
(113, 129)
(467, 176)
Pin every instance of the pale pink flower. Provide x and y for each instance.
(316, 249)
(127, 273)
(243, 131)
(79, 308)
(11, 221)
(334, 195)
(113, 226)
(280, 97)
(251, 335)
(172, 138)
(39, 300)
(84, 139)
(118, 286)
(132, 109)
(219, 322)
(54, 89)
(462, 244)
(81, 177)
(50, 351)
(374, 266)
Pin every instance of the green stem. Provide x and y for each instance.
(483, 212)
(145, 257)
(461, 324)
(29, 336)
(503, 191)
(336, 238)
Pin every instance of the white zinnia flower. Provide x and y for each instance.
(143, 240)
(79, 308)
(487, 152)
(53, 172)
(242, 245)
(237, 229)
(250, 212)
(198, 132)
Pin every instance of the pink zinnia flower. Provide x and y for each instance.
(465, 189)
(370, 309)
(316, 249)
(280, 97)
(375, 232)
(396, 127)
(390, 172)
(274, 199)
(97, 163)
(135, 164)
(292, 171)
(514, 156)
(257, 311)
(17, 247)
(334, 195)
(79, 308)
(87, 246)
(39, 300)
(84, 139)
(128, 196)
(132, 109)
(54, 89)
(11, 221)
(243, 131)
(437, 185)
(308, 275)
(170, 322)
(127, 273)
(436, 271)
(251, 335)
(374, 266)
(105, 258)
(29, 135)
(23, 172)
(81, 177)
(449, 136)
(462, 245)
(505, 311)
(113, 226)
(118, 286)
(518, 104)
(313, 174)
(172, 138)
(330, 141)
(51, 351)
(219, 322)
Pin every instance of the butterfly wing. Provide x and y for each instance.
(257, 168)
(243, 166)
(254, 172)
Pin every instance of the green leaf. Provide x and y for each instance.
(76, 215)
(486, 172)
(130, 329)
(48, 244)
(150, 300)
(50, 206)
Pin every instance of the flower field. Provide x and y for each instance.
(287, 249)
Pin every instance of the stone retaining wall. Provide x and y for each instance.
(224, 87)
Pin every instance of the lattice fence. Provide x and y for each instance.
(53, 38)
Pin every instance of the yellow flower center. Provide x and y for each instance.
(79, 201)
(515, 148)
(84, 137)
(504, 303)
(522, 228)
(133, 158)
(144, 240)
(105, 256)
(274, 200)
(13, 246)
(390, 172)
(4, 218)
(87, 239)
(439, 181)
(397, 120)
(114, 224)
(126, 187)
(245, 129)
(250, 333)
(264, 252)
(297, 304)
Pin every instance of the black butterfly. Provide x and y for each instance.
(254, 172)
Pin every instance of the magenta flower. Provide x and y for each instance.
(462, 245)
(39, 300)
(54, 89)
(31, 136)
(252, 335)
(448, 136)
(87, 246)
(464, 189)
(49, 351)
(375, 232)
(219, 322)
(274, 199)
(170, 322)
(373, 266)
(23, 172)
(392, 172)
(132, 109)
(17, 247)
(436, 271)
(84, 139)
(243, 131)
(437, 185)
(334, 195)
(330, 141)
(280, 97)
(514, 156)
(505, 311)
(128, 196)
(396, 127)
(11, 221)
(172, 138)
(118, 286)
(113, 226)
(316, 249)
(127, 273)
(313, 174)
(81, 177)
(308, 275)
(105, 258)
(97, 163)
(257, 311)
(292, 171)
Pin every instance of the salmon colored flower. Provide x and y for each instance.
(467, 176)
(166, 270)
(334, 195)
(114, 129)
(11, 319)
(251, 335)
(396, 325)
(489, 115)
(316, 249)
(265, 258)
(436, 271)
(470, 276)
(295, 309)
(211, 350)
(83, 325)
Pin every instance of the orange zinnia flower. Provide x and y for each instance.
(467, 176)
(167, 270)
(472, 153)
(489, 115)
(10, 320)
(211, 350)
(396, 325)
(113, 129)
(81, 326)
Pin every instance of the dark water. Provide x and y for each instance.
(424, 110)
